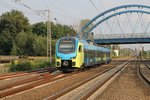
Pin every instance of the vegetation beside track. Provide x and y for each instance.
(31, 63)
(145, 54)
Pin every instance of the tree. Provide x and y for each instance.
(29, 45)
(23, 44)
(84, 22)
(126, 52)
(40, 29)
(57, 30)
(40, 46)
(11, 24)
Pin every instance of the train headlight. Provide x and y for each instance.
(73, 63)
(65, 63)
(58, 63)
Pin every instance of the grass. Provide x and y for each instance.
(118, 57)
(30, 63)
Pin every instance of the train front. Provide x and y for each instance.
(66, 53)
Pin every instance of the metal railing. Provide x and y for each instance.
(121, 36)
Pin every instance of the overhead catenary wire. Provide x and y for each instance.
(59, 8)
(101, 4)
(35, 11)
(26, 6)
(64, 13)
(8, 6)
(94, 6)
(5, 6)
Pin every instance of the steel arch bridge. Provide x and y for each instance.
(143, 37)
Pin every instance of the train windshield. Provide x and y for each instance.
(66, 45)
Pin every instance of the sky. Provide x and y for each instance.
(68, 12)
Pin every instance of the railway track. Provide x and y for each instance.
(13, 75)
(26, 84)
(69, 92)
(13, 87)
(72, 86)
(127, 86)
(144, 72)
(20, 86)
(30, 83)
(18, 74)
(148, 66)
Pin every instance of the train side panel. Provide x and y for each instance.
(57, 59)
(89, 57)
(79, 59)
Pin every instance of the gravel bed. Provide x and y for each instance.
(127, 87)
(51, 88)
(15, 79)
(82, 90)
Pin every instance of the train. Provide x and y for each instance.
(73, 53)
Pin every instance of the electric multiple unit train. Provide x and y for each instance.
(74, 53)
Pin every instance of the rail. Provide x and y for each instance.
(141, 74)
(65, 91)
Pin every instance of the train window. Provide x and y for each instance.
(66, 45)
(80, 48)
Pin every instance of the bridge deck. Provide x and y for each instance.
(122, 38)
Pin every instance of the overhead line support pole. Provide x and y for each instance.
(49, 36)
(49, 49)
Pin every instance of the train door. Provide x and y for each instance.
(81, 55)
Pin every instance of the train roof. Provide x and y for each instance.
(93, 47)
(88, 46)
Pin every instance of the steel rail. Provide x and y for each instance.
(100, 85)
(61, 93)
(142, 74)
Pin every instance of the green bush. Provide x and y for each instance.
(43, 64)
(23, 66)
(26, 65)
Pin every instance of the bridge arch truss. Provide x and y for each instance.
(113, 12)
